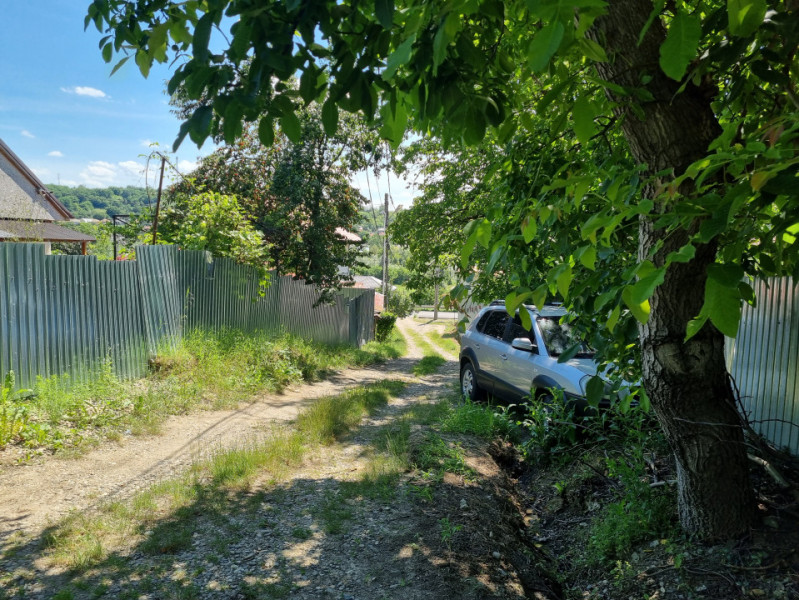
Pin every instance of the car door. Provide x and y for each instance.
(487, 344)
(520, 366)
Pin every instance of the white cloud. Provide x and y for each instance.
(146, 143)
(100, 173)
(186, 166)
(56, 153)
(81, 90)
(27, 134)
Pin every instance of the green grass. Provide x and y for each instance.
(446, 340)
(331, 417)
(481, 420)
(164, 518)
(428, 365)
(431, 361)
(207, 371)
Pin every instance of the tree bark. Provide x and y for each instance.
(687, 382)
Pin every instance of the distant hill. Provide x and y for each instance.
(101, 203)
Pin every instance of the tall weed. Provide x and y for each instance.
(207, 370)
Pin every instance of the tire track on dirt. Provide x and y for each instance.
(34, 494)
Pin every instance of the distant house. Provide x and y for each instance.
(28, 210)
(371, 283)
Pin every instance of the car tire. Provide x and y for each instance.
(469, 388)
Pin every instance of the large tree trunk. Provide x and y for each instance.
(687, 382)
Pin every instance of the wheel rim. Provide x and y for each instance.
(467, 383)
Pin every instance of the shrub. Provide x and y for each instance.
(384, 325)
(400, 303)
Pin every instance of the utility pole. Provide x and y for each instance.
(436, 274)
(385, 252)
(158, 201)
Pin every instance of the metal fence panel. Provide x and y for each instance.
(764, 359)
(66, 315)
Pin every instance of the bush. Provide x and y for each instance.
(400, 303)
(384, 325)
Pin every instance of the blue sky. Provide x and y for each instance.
(71, 122)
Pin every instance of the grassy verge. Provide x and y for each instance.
(431, 360)
(212, 371)
(447, 339)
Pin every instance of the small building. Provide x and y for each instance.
(28, 210)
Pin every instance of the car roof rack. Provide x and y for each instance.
(497, 303)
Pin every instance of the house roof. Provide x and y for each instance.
(367, 282)
(23, 195)
(31, 231)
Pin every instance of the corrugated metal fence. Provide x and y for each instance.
(62, 314)
(764, 360)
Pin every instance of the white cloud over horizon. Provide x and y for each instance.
(27, 134)
(56, 154)
(81, 90)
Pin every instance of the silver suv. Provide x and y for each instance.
(500, 357)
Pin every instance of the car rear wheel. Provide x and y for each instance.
(469, 388)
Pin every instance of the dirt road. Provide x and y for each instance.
(39, 492)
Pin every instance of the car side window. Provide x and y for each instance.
(516, 330)
(495, 324)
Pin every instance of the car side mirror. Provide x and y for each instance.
(524, 344)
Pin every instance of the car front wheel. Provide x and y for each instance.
(469, 388)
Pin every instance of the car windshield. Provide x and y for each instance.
(559, 337)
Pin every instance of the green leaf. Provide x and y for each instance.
(544, 45)
(694, 326)
(400, 56)
(588, 257)
(330, 117)
(118, 66)
(560, 279)
(108, 50)
(466, 250)
(584, 114)
(475, 127)
(529, 229)
(308, 84)
(202, 35)
(266, 131)
(143, 61)
(540, 295)
(592, 50)
(594, 390)
(723, 298)
(524, 315)
(613, 319)
(444, 36)
(681, 45)
(384, 9)
(645, 287)
(513, 300)
(569, 352)
(745, 16)
(291, 126)
(640, 310)
(683, 255)
(483, 233)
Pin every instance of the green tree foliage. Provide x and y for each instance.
(218, 224)
(295, 193)
(102, 203)
(693, 103)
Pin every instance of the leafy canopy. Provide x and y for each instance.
(460, 68)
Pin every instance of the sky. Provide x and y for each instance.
(74, 124)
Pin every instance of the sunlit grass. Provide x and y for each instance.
(164, 518)
(206, 371)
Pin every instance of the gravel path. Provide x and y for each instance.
(33, 495)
